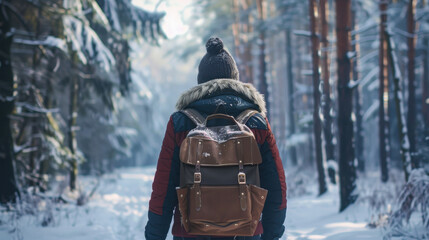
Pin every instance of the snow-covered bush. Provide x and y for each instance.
(410, 218)
(29, 209)
(57, 207)
(378, 197)
(299, 181)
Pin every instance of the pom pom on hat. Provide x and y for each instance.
(214, 45)
(217, 63)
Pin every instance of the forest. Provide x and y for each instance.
(87, 88)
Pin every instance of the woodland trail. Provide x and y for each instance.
(118, 210)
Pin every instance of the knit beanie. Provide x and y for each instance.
(217, 63)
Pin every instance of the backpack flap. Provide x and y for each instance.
(219, 153)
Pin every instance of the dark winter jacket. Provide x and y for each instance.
(217, 96)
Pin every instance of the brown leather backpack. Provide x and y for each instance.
(219, 192)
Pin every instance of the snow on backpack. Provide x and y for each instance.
(219, 193)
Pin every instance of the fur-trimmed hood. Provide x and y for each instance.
(200, 91)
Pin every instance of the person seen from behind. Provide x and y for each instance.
(219, 91)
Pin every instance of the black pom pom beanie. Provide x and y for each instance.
(217, 63)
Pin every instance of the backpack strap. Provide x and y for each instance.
(194, 115)
(245, 115)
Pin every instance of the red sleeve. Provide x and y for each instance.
(272, 179)
(162, 175)
(266, 137)
(279, 165)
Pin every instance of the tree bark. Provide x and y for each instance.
(402, 126)
(8, 187)
(124, 67)
(317, 124)
(326, 99)
(411, 114)
(347, 171)
(248, 29)
(425, 82)
(291, 98)
(237, 40)
(425, 85)
(72, 144)
(48, 103)
(35, 140)
(263, 83)
(383, 94)
(357, 98)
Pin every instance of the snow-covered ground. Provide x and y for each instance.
(310, 217)
(118, 210)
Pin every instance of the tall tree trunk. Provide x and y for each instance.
(291, 97)
(317, 124)
(425, 84)
(248, 29)
(124, 67)
(263, 83)
(8, 187)
(411, 114)
(347, 171)
(282, 94)
(400, 114)
(326, 104)
(48, 103)
(383, 94)
(357, 99)
(237, 40)
(35, 140)
(72, 144)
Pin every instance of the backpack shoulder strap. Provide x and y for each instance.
(244, 116)
(194, 115)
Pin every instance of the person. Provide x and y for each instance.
(218, 91)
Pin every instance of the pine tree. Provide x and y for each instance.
(425, 84)
(317, 124)
(411, 114)
(402, 126)
(8, 188)
(263, 81)
(326, 97)
(383, 91)
(357, 95)
(291, 91)
(347, 171)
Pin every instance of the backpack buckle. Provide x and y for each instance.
(197, 177)
(241, 178)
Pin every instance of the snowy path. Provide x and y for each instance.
(311, 217)
(119, 211)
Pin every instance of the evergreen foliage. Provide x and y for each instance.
(71, 62)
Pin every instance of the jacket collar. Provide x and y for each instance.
(203, 90)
